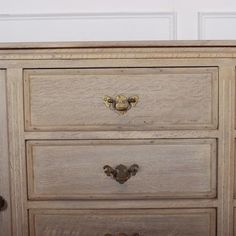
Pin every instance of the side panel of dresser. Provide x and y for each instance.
(5, 213)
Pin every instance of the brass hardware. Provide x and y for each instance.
(121, 173)
(2, 203)
(122, 234)
(121, 104)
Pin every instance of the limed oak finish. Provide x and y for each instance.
(167, 169)
(72, 99)
(118, 139)
(150, 222)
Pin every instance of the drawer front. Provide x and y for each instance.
(151, 98)
(166, 169)
(191, 222)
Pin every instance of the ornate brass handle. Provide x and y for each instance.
(121, 104)
(121, 173)
(2, 203)
(122, 234)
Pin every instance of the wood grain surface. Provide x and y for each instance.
(174, 98)
(56, 136)
(168, 169)
(181, 222)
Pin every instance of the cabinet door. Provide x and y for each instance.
(5, 211)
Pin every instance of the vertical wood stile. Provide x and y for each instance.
(225, 162)
(5, 215)
(232, 154)
(17, 151)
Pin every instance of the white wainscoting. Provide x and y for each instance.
(87, 27)
(217, 25)
(115, 26)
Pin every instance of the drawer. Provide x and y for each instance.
(182, 222)
(138, 169)
(135, 99)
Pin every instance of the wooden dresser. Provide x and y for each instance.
(118, 139)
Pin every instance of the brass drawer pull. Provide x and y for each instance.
(121, 173)
(121, 104)
(122, 234)
(2, 203)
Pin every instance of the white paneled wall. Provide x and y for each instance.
(217, 25)
(73, 27)
(79, 20)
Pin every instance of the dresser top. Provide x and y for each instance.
(117, 44)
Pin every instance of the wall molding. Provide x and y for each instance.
(204, 16)
(170, 19)
(88, 15)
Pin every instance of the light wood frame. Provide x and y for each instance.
(15, 58)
